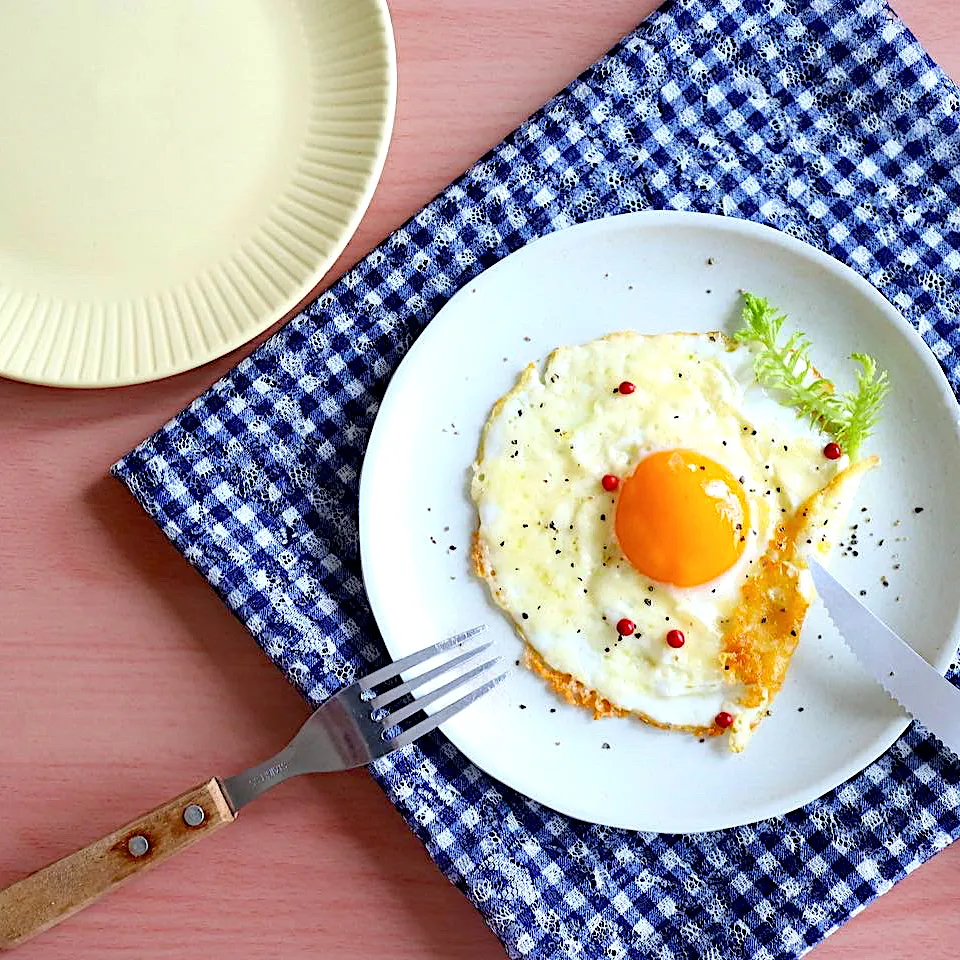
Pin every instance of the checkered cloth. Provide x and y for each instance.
(823, 118)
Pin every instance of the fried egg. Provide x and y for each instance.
(648, 542)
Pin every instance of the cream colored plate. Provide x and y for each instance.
(175, 176)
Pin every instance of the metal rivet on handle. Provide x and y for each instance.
(193, 815)
(138, 845)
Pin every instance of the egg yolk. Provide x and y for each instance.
(681, 518)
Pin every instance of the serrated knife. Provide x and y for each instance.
(918, 687)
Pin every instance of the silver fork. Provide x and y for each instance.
(351, 729)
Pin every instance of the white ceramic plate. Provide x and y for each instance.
(176, 176)
(652, 272)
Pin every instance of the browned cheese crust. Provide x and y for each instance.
(765, 629)
(580, 695)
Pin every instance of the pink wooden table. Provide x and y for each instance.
(125, 680)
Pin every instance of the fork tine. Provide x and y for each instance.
(418, 704)
(388, 696)
(398, 666)
(441, 716)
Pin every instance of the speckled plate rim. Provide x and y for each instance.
(298, 295)
(462, 730)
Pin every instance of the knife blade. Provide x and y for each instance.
(918, 687)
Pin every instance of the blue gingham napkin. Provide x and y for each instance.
(823, 118)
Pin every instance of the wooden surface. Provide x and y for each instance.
(124, 679)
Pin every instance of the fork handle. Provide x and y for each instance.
(56, 892)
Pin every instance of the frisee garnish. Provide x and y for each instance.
(848, 417)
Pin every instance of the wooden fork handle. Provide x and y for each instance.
(54, 893)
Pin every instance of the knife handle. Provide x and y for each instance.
(56, 892)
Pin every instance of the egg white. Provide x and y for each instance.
(546, 535)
